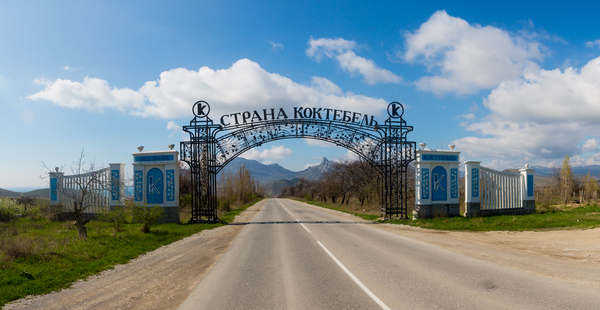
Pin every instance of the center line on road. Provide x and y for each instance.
(297, 220)
(356, 280)
(304, 227)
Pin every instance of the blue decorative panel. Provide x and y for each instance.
(114, 184)
(530, 185)
(53, 189)
(171, 185)
(438, 184)
(154, 186)
(475, 182)
(425, 184)
(432, 157)
(154, 158)
(453, 183)
(138, 183)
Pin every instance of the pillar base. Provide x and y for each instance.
(472, 209)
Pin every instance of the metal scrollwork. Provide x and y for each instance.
(211, 147)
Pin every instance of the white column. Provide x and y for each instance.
(528, 186)
(117, 184)
(472, 188)
(56, 186)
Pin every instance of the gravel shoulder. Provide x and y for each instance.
(164, 278)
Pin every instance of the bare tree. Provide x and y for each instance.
(84, 187)
(567, 180)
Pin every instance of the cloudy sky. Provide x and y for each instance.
(507, 83)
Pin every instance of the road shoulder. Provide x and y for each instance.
(161, 279)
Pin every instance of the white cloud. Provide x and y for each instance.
(319, 143)
(593, 43)
(243, 86)
(173, 128)
(551, 96)
(92, 94)
(466, 58)
(343, 51)
(467, 116)
(590, 145)
(69, 68)
(348, 156)
(539, 119)
(275, 47)
(268, 155)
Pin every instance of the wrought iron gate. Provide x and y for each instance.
(212, 146)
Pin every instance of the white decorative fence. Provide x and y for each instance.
(98, 190)
(501, 190)
(491, 192)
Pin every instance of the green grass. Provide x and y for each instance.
(547, 218)
(582, 217)
(229, 216)
(368, 217)
(50, 256)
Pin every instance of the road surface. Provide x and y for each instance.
(291, 256)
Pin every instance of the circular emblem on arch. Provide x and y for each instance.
(395, 110)
(201, 109)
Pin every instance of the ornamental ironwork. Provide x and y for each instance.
(212, 146)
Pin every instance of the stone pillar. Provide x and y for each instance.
(422, 192)
(56, 185)
(117, 185)
(472, 193)
(527, 189)
(436, 190)
(156, 181)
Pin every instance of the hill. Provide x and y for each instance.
(41, 193)
(274, 188)
(269, 173)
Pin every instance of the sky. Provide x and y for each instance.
(509, 83)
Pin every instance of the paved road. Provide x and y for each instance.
(291, 256)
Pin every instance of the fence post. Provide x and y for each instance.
(527, 187)
(472, 190)
(56, 185)
(117, 185)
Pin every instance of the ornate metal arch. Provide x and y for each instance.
(213, 146)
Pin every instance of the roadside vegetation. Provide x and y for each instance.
(41, 252)
(568, 202)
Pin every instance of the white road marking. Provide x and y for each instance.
(356, 280)
(305, 227)
(297, 220)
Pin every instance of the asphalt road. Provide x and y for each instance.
(291, 256)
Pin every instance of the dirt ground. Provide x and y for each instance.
(162, 279)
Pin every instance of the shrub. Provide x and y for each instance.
(8, 210)
(147, 215)
(18, 247)
(117, 216)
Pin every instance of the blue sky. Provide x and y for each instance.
(509, 83)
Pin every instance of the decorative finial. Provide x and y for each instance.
(140, 148)
(526, 166)
(56, 169)
(171, 146)
(451, 146)
(422, 145)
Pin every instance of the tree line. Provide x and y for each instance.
(346, 180)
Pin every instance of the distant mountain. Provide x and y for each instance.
(274, 188)
(41, 193)
(594, 170)
(315, 172)
(268, 173)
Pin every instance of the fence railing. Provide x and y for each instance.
(501, 190)
(98, 190)
(491, 192)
